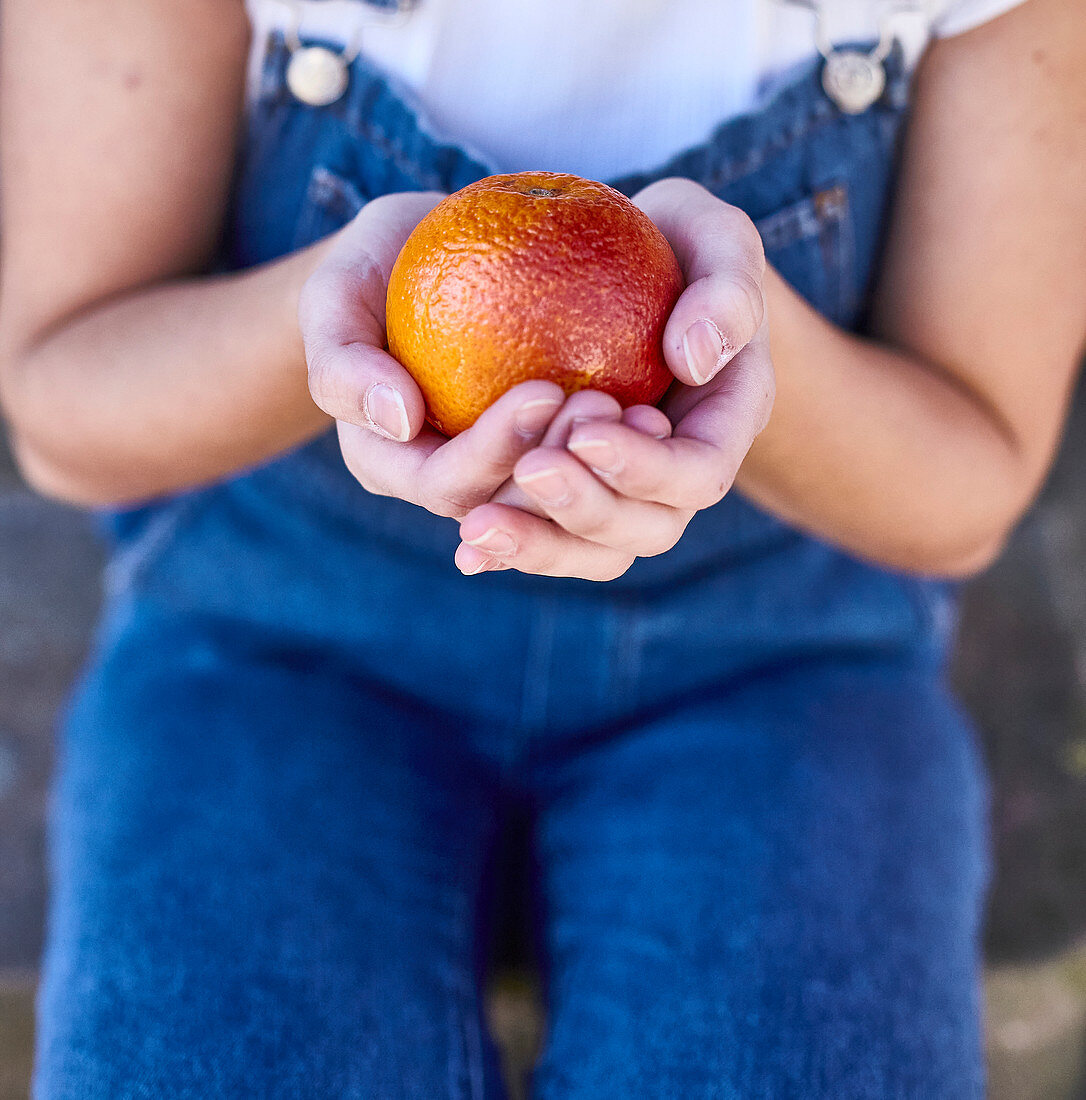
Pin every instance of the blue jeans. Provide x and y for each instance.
(756, 815)
(271, 871)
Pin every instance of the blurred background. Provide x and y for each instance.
(1020, 667)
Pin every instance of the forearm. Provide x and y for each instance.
(878, 451)
(165, 387)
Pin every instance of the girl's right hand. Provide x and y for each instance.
(378, 408)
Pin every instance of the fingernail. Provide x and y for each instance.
(386, 412)
(493, 541)
(547, 486)
(597, 453)
(706, 350)
(533, 416)
(478, 568)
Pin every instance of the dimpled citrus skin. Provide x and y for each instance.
(531, 275)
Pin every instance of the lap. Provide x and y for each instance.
(774, 892)
(267, 871)
(265, 877)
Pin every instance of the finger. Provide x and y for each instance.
(733, 410)
(580, 407)
(510, 493)
(584, 405)
(366, 386)
(341, 312)
(697, 465)
(534, 546)
(384, 467)
(468, 469)
(644, 418)
(451, 476)
(648, 420)
(582, 505)
(676, 473)
(722, 259)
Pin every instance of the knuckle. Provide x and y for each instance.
(367, 479)
(614, 567)
(365, 283)
(665, 541)
(746, 300)
(309, 298)
(674, 188)
(448, 501)
(376, 488)
(597, 528)
(539, 559)
(710, 492)
(740, 227)
(321, 378)
(758, 252)
(496, 466)
(364, 476)
(747, 232)
(709, 497)
(741, 224)
(652, 545)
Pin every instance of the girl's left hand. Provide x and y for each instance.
(617, 485)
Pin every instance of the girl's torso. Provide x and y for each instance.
(298, 549)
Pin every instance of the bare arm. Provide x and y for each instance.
(921, 448)
(125, 373)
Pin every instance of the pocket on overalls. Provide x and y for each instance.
(331, 200)
(812, 244)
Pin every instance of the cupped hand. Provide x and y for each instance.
(378, 408)
(614, 485)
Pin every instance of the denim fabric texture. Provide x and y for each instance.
(757, 816)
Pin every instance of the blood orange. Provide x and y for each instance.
(531, 275)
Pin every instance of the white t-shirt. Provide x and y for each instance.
(605, 87)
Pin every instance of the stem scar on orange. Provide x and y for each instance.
(531, 275)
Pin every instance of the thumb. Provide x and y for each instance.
(341, 313)
(720, 253)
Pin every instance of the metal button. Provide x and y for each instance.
(853, 80)
(316, 75)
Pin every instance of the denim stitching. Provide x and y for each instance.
(357, 127)
(737, 169)
(792, 223)
(334, 193)
(392, 151)
(838, 239)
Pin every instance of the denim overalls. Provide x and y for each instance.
(755, 813)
